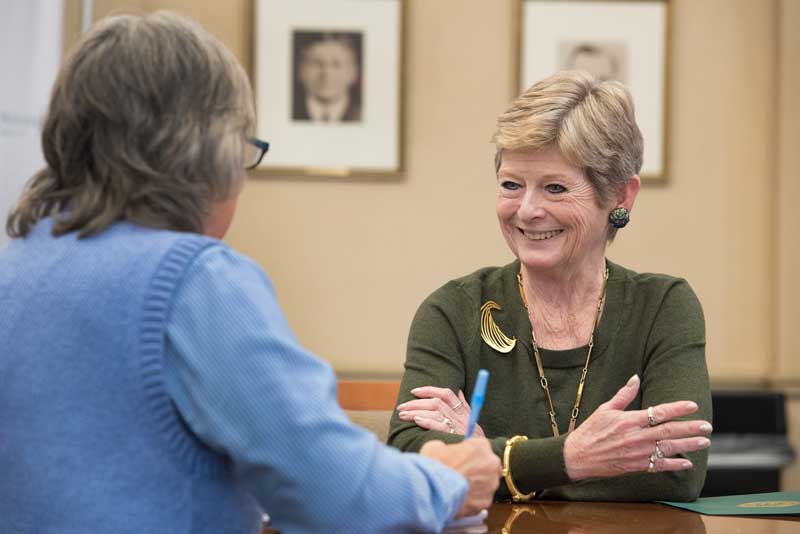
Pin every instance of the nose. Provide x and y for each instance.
(531, 207)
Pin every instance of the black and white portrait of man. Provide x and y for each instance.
(604, 60)
(327, 78)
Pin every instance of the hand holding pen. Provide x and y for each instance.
(473, 458)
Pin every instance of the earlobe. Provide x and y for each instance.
(621, 215)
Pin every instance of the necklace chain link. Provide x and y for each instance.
(584, 371)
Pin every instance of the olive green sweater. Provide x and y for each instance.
(652, 325)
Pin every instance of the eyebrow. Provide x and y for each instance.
(511, 174)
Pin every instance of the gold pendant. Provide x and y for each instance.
(491, 333)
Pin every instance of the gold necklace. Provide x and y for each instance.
(542, 379)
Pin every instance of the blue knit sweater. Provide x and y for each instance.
(90, 441)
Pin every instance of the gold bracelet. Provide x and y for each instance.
(516, 495)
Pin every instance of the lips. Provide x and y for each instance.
(541, 236)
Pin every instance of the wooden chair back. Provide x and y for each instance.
(368, 395)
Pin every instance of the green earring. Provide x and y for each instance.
(619, 217)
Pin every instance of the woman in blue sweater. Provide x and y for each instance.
(150, 382)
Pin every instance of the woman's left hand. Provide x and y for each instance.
(438, 409)
(614, 441)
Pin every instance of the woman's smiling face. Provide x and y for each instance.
(548, 211)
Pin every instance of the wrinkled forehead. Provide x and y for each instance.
(538, 163)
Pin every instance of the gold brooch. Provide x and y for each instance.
(491, 333)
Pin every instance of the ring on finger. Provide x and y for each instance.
(651, 468)
(457, 406)
(658, 453)
(450, 428)
(651, 418)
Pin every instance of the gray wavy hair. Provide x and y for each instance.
(591, 123)
(147, 123)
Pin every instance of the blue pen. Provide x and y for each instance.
(476, 403)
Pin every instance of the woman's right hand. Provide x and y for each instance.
(438, 409)
(613, 442)
(476, 461)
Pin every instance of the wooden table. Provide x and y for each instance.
(558, 517)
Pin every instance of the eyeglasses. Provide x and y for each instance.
(254, 151)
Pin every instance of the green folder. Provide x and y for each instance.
(779, 503)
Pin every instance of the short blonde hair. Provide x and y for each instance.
(147, 123)
(591, 123)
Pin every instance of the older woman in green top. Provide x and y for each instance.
(599, 387)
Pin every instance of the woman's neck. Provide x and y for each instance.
(562, 303)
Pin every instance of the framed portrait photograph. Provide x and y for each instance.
(623, 40)
(327, 85)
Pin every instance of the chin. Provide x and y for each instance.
(538, 261)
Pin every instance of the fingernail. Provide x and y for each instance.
(686, 464)
(632, 380)
(703, 443)
(402, 414)
(401, 407)
(691, 405)
(414, 390)
(705, 427)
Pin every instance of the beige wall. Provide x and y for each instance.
(366, 253)
(712, 222)
(352, 259)
(787, 234)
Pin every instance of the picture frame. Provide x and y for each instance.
(625, 40)
(327, 77)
